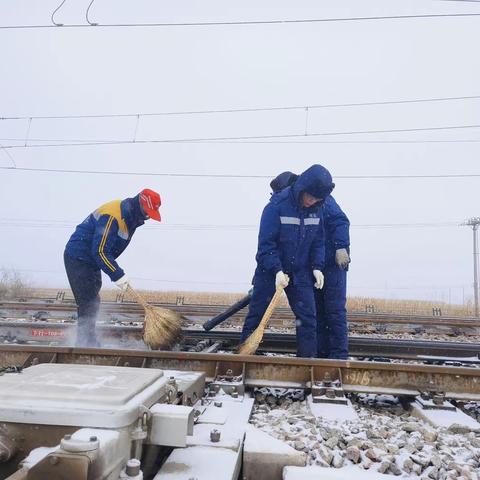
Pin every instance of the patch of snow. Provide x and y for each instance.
(201, 463)
(319, 473)
(38, 454)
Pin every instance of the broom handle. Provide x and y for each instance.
(139, 298)
(271, 307)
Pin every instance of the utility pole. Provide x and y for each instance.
(474, 222)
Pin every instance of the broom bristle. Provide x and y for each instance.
(250, 345)
(162, 327)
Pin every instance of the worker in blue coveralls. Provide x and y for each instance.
(291, 242)
(95, 245)
(332, 330)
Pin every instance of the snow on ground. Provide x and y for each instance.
(384, 439)
(318, 473)
(432, 337)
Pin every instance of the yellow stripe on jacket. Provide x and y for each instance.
(114, 211)
(102, 245)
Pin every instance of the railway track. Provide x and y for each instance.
(220, 390)
(460, 383)
(282, 317)
(38, 332)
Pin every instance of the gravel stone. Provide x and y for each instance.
(395, 469)
(420, 460)
(459, 429)
(298, 445)
(383, 467)
(325, 454)
(383, 438)
(338, 461)
(410, 427)
(332, 442)
(353, 454)
(391, 448)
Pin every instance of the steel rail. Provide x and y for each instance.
(43, 332)
(211, 310)
(358, 346)
(461, 383)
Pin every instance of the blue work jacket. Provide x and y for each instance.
(336, 223)
(102, 237)
(291, 237)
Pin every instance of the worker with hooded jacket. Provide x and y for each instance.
(332, 331)
(291, 253)
(94, 247)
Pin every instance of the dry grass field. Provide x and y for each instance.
(354, 304)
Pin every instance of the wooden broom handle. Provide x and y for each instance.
(271, 307)
(139, 298)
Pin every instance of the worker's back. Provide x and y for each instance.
(119, 217)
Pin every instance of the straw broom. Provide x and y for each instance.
(162, 327)
(249, 347)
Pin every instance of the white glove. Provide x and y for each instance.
(318, 279)
(123, 283)
(281, 280)
(342, 258)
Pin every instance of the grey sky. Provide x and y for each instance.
(170, 69)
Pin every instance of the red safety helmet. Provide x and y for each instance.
(150, 202)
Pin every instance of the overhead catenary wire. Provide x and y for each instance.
(246, 109)
(226, 23)
(9, 155)
(52, 17)
(235, 176)
(246, 137)
(87, 17)
(78, 141)
(64, 224)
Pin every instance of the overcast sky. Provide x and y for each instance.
(208, 237)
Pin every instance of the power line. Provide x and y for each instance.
(5, 222)
(186, 281)
(77, 141)
(62, 273)
(233, 176)
(271, 142)
(8, 155)
(343, 142)
(242, 22)
(243, 110)
(245, 137)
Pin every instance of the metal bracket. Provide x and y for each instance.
(326, 385)
(434, 401)
(229, 377)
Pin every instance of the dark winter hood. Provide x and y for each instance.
(132, 213)
(282, 181)
(316, 181)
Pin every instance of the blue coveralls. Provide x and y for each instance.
(94, 246)
(291, 239)
(332, 329)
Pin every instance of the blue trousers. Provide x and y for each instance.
(332, 330)
(302, 302)
(85, 282)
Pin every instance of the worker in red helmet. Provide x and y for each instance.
(94, 247)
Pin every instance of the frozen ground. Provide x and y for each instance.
(384, 439)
